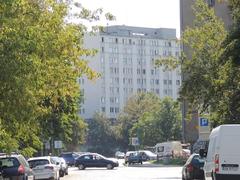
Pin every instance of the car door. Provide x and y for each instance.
(88, 160)
(100, 161)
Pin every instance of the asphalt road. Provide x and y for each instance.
(137, 172)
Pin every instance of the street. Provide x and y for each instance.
(137, 172)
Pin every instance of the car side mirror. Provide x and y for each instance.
(202, 153)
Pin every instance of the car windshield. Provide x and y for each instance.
(38, 162)
(8, 162)
(56, 159)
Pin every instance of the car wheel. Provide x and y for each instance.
(81, 167)
(109, 166)
(61, 173)
(66, 172)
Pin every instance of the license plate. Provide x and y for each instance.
(229, 168)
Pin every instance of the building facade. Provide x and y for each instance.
(126, 61)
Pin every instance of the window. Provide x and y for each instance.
(103, 109)
(144, 71)
(111, 109)
(102, 49)
(170, 82)
(111, 90)
(138, 71)
(152, 71)
(116, 40)
(157, 81)
(165, 82)
(177, 82)
(130, 41)
(102, 39)
(116, 110)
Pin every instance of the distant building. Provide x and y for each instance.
(126, 60)
(191, 129)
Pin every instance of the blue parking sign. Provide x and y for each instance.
(203, 122)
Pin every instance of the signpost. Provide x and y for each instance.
(203, 121)
(58, 144)
(135, 141)
(204, 128)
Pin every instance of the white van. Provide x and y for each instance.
(170, 148)
(223, 156)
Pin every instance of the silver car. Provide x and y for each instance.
(44, 168)
(63, 167)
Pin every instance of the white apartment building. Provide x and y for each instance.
(126, 61)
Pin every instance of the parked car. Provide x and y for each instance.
(193, 168)
(44, 167)
(63, 167)
(120, 155)
(69, 157)
(132, 157)
(147, 155)
(169, 149)
(15, 167)
(95, 160)
(223, 154)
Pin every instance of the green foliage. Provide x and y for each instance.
(134, 109)
(150, 119)
(101, 135)
(39, 66)
(204, 40)
(227, 110)
(164, 124)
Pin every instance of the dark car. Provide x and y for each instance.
(133, 157)
(15, 167)
(193, 168)
(95, 160)
(69, 157)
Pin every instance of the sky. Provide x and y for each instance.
(142, 13)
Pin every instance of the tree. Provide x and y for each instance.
(226, 108)
(133, 111)
(204, 40)
(161, 125)
(39, 65)
(101, 136)
(202, 67)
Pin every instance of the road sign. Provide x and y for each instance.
(135, 141)
(57, 144)
(203, 122)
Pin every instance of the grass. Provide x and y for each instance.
(171, 161)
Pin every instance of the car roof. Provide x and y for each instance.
(89, 153)
(39, 158)
(4, 155)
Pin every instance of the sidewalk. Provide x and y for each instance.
(148, 164)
